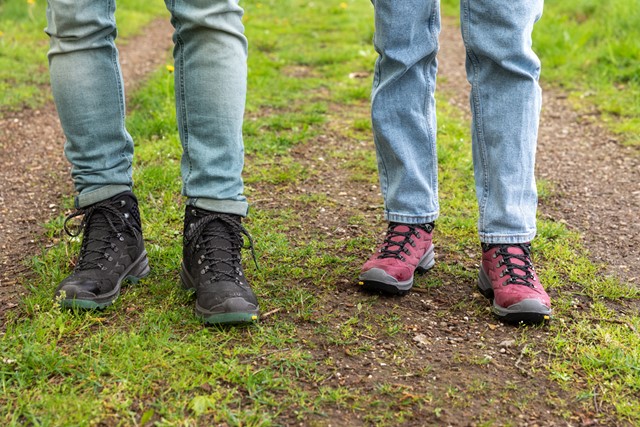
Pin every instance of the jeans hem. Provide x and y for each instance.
(410, 219)
(233, 207)
(89, 198)
(507, 238)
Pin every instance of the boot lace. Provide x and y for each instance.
(102, 224)
(406, 237)
(224, 236)
(526, 267)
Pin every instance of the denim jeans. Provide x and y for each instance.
(210, 74)
(505, 103)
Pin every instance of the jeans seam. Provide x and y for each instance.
(382, 168)
(181, 91)
(430, 85)
(114, 60)
(477, 114)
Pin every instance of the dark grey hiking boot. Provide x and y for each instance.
(112, 251)
(212, 267)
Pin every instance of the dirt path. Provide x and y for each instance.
(34, 173)
(584, 163)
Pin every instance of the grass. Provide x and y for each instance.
(148, 361)
(23, 47)
(588, 48)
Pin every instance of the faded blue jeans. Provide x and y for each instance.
(505, 102)
(210, 74)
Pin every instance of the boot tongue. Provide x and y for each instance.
(223, 247)
(102, 228)
(400, 239)
(517, 250)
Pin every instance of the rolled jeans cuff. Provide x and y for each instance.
(233, 207)
(410, 219)
(507, 238)
(91, 197)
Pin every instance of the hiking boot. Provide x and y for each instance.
(112, 251)
(507, 276)
(212, 267)
(407, 248)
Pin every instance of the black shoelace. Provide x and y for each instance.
(526, 267)
(414, 230)
(209, 238)
(102, 223)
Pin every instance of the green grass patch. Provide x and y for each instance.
(24, 73)
(147, 360)
(589, 48)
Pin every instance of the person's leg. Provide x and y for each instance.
(403, 108)
(88, 92)
(505, 100)
(210, 78)
(404, 127)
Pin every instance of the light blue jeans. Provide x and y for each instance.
(210, 74)
(505, 102)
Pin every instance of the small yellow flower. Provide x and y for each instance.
(170, 68)
(31, 1)
(343, 5)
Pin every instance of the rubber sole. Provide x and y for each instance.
(528, 311)
(377, 280)
(229, 317)
(138, 270)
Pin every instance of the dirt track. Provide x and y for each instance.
(595, 183)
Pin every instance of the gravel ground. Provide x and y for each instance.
(594, 178)
(583, 162)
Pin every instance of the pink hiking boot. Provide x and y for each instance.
(507, 276)
(407, 248)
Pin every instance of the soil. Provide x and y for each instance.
(457, 349)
